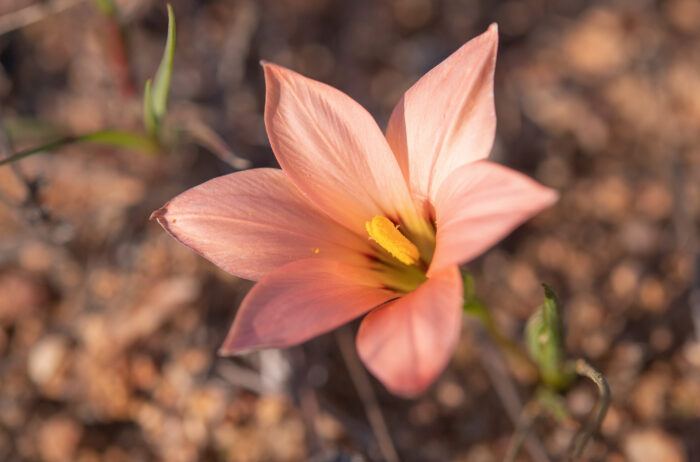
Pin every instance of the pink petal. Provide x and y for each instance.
(332, 149)
(447, 119)
(408, 342)
(478, 205)
(302, 300)
(251, 222)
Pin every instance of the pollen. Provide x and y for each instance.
(388, 236)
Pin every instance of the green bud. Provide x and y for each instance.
(545, 342)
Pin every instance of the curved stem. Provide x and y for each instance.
(583, 436)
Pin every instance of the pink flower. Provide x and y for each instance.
(361, 223)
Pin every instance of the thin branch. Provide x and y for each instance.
(687, 242)
(33, 13)
(240, 376)
(497, 371)
(364, 389)
(527, 419)
(7, 151)
(206, 137)
(30, 208)
(308, 402)
(583, 436)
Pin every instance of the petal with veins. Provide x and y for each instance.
(332, 149)
(408, 342)
(478, 205)
(301, 300)
(447, 119)
(251, 222)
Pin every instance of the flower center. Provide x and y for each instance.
(388, 236)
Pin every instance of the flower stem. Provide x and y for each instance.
(507, 344)
(477, 309)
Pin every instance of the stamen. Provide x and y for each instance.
(384, 233)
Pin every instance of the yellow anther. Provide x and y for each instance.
(384, 233)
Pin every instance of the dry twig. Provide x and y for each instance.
(505, 388)
(581, 438)
(240, 376)
(526, 420)
(31, 209)
(364, 389)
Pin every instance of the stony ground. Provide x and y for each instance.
(108, 327)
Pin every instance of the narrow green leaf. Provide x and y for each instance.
(104, 137)
(149, 117)
(26, 128)
(45, 147)
(161, 82)
(552, 319)
(120, 139)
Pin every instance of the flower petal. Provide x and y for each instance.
(332, 149)
(301, 300)
(408, 342)
(251, 222)
(478, 205)
(447, 119)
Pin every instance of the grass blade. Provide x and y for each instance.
(161, 82)
(105, 137)
(150, 121)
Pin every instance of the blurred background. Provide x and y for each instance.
(109, 327)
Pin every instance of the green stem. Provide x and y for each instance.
(475, 307)
(507, 344)
(480, 312)
(106, 137)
